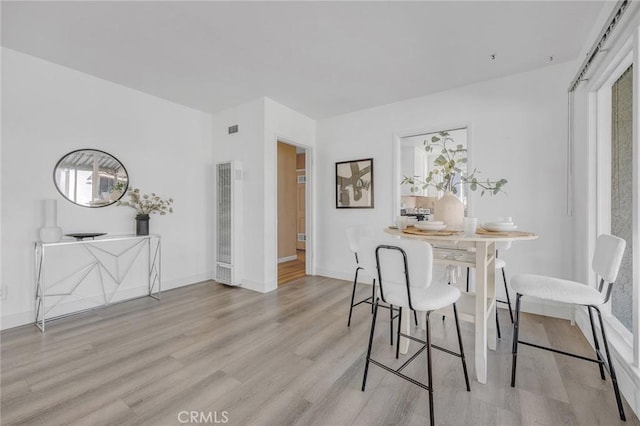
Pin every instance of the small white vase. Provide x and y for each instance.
(450, 210)
(50, 232)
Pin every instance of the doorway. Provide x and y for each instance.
(291, 188)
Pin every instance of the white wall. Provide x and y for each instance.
(49, 110)
(583, 185)
(517, 130)
(287, 125)
(247, 146)
(261, 123)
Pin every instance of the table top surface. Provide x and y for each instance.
(99, 239)
(460, 237)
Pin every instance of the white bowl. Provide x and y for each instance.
(501, 223)
(429, 226)
(500, 226)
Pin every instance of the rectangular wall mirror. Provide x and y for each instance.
(412, 159)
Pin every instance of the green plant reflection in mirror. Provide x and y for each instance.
(417, 162)
(90, 178)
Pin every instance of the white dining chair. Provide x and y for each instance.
(405, 271)
(354, 236)
(606, 264)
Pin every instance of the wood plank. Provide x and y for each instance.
(293, 270)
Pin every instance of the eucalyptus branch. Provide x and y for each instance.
(446, 167)
(494, 186)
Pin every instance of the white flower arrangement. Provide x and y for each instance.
(146, 204)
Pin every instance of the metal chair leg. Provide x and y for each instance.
(373, 293)
(468, 269)
(429, 370)
(398, 336)
(391, 324)
(612, 371)
(449, 283)
(506, 291)
(498, 323)
(514, 349)
(415, 317)
(373, 327)
(595, 342)
(464, 362)
(353, 295)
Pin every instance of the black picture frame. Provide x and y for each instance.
(354, 184)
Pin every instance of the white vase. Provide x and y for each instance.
(50, 232)
(450, 210)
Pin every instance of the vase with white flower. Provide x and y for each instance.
(145, 205)
(447, 173)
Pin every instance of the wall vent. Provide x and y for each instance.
(302, 179)
(228, 222)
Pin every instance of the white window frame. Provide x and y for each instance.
(603, 165)
(625, 55)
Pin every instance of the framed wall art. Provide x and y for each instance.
(354, 184)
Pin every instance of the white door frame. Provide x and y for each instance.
(308, 210)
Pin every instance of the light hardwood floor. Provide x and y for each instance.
(281, 358)
(292, 270)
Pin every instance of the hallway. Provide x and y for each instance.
(292, 270)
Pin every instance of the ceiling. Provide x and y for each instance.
(319, 58)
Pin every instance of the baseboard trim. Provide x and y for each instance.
(544, 307)
(181, 282)
(17, 320)
(254, 286)
(28, 317)
(287, 259)
(341, 275)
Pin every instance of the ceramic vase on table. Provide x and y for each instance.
(50, 232)
(142, 224)
(450, 210)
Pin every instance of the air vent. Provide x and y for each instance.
(302, 179)
(228, 223)
(233, 129)
(223, 274)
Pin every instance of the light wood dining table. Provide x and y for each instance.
(478, 252)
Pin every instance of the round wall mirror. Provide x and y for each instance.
(90, 178)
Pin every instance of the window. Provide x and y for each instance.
(622, 197)
(605, 182)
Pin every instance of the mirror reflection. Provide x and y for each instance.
(91, 178)
(417, 162)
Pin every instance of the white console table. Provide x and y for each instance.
(129, 246)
